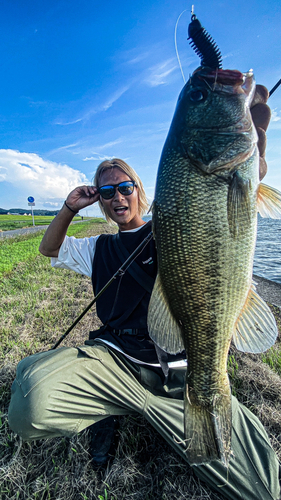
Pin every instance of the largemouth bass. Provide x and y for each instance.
(205, 223)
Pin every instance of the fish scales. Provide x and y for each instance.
(204, 223)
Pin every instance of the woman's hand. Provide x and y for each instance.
(261, 115)
(82, 197)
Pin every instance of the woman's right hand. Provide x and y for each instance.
(82, 197)
(79, 198)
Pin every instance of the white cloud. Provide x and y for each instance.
(63, 148)
(52, 205)
(91, 110)
(98, 157)
(140, 57)
(159, 73)
(101, 157)
(274, 115)
(3, 174)
(229, 54)
(47, 181)
(109, 144)
(115, 97)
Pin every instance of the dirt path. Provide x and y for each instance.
(25, 230)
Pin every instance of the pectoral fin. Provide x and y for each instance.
(238, 205)
(256, 329)
(162, 326)
(269, 202)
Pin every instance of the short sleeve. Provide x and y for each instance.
(76, 254)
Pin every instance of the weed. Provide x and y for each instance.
(272, 358)
(25, 248)
(103, 497)
(233, 371)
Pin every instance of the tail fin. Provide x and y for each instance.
(208, 430)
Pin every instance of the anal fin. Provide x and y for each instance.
(256, 329)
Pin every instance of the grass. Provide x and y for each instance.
(25, 248)
(10, 222)
(38, 304)
(13, 221)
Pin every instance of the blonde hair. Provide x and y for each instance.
(129, 171)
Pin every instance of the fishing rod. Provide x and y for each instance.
(119, 272)
(206, 48)
(275, 87)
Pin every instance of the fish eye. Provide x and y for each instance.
(198, 95)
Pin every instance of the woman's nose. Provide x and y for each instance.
(117, 195)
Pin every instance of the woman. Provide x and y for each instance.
(118, 371)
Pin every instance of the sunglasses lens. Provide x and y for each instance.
(107, 192)
(126, 188)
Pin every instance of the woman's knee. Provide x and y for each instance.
(22, 414)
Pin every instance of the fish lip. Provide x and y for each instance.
(231, 77)
(222, 76)
(225, 81)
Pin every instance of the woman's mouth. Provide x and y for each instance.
(120, 210)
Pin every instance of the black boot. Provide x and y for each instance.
(103, 440)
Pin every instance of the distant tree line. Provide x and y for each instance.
(20, 211)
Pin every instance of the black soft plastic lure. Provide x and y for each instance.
(204, 45)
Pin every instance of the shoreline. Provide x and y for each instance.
(268, 290)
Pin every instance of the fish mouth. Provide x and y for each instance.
(227, 80)
(223, 76)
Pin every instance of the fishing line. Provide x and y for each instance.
(176, 47)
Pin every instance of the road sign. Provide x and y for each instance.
(31, 203)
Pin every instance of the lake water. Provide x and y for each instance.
(267, 261)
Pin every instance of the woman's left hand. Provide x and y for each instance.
(261, 115)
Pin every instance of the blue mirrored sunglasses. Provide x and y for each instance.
(125, 188)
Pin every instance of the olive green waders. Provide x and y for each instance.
(61, 392)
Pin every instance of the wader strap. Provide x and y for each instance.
(144, 279)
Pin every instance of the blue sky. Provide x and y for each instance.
(89, 80)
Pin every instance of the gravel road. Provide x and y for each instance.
(25, 230)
